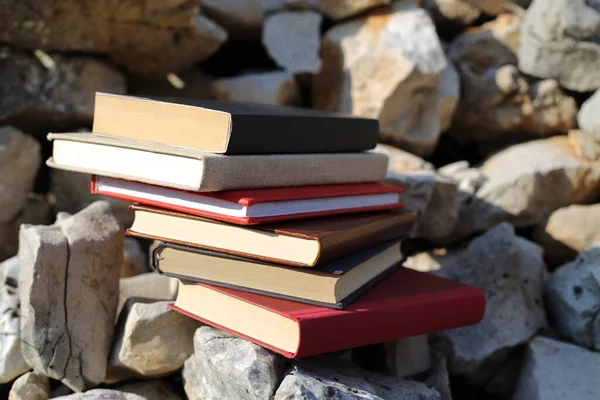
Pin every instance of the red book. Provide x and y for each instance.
(408, 303)
(256, 206)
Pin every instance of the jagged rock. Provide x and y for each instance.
(102, 394)
(69, 285)
(390, 66)
(19, 163)
(227, 367)
(12, 363)
(408, 357)
(150, 340)
(152, 390)
(276, 87)
(135, 261)
(37, 99)
(148, 286)
(322, 381)
(433, 260)
(511, 272)
(589, 115)
(71, 193)
(147, 38)
(560, 39)
(402, 162)
(525, 183)
(556, 370)
(573, 298)
(433, 198)
(292, 39)
(239, 18)
(584, 144)
(30, 386)
(496, 99)
(449, 14)
(495, 7)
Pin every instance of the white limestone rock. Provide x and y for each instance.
(584, 144)
(148, 286)
(589, 115)
(402, 162)
(69, 285)
(275, 87)
(102, 394)
(30, 386)
(390, 65)
(158, 389)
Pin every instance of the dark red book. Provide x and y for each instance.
(408, 303)
(256, 206)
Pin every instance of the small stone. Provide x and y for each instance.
(511, 273)
(556, 370)
(227, 367)
(573, 298)
(150, 285)
(102, 394)
(342, 9)
(135, 261)
(240, 18)
(408, 357)
(390, 65)
(20, 159)
(150, 341)
(12, 363)
(152, 390)
(402, 162)
(30, 386)
(277, 88)
(37, 99)
(589, 115)
(292, 39)
(66, 335)
(560, 40)
(584, 144)
(321, 381)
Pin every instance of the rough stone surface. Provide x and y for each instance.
(150, 340)
(150, 285)
(152, 390)
(240, 18)
(71, 193)
(568, 231)
(318, 381)
(227, 367)
(525, 183)
(556, 370)
(135, 262)
(66, 335)
(589, 115)
(337, 10)
(12, 363)
(292, 39)
(433, 198)
(130, 33)
(449, 14)
(584, 144)
(277, 88)
(102, 394)
(30, 386)
(19, 163)
(560, 39)
(402, 162)
(408, 357)
(511, 273)
(37, 99)
(573, 298)
(496, 99)
(390, 66)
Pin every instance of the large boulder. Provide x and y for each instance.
(156, 38)
(390, 66)
(560, 39)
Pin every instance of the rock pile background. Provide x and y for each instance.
(489, 111)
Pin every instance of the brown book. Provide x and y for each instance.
(302, 243)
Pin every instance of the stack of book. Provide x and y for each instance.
(275, 220)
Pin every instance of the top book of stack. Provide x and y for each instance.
(231, 128)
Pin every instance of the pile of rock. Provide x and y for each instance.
(489, 113)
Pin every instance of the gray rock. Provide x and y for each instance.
(135, 261)
(38, 99)
(439, 377)
(292, 39)
(30, 386)
(102, 394)
(402, 162)
(152, 390)
(19, 163)
(12, 363)
(131, 34)
(511, 273)
(150, 341)
(227, 367)
(560, 39)
(276, 87)
(589, 115)
(555, 370)
(573, 298)
(66, 334)
(319, 381)
(239, 18)
(408, 357)
(390, 65)
(149, 286)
